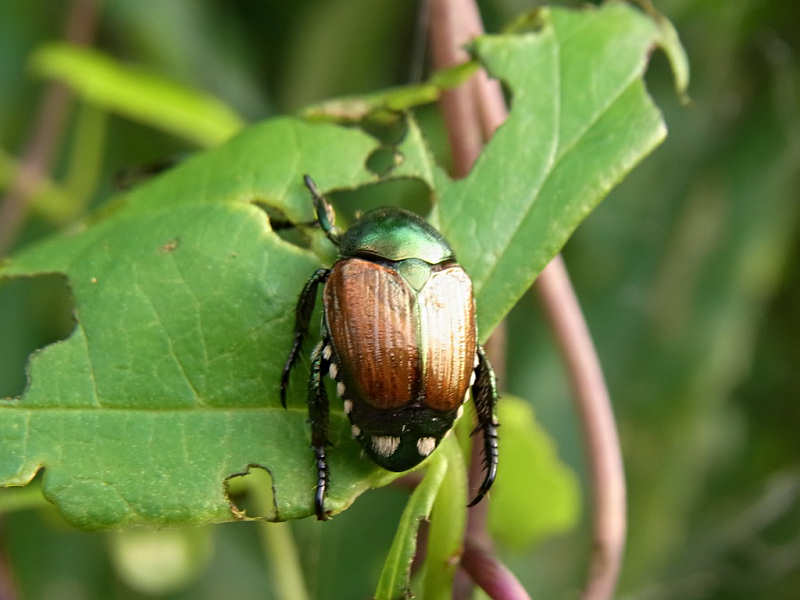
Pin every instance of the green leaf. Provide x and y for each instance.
(277, 541)
(184, 296)
(448, 521)
(136, 94)
(184, 300)
(580, 120)
(394, 579)
(535, 494)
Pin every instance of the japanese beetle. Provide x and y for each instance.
(398, 337)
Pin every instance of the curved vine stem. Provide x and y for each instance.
(602, 448)
(472, 112)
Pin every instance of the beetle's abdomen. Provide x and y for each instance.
(448, 340)
(369, 309)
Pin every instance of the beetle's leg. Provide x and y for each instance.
(484, 394)
(305, 306)
(318, 415)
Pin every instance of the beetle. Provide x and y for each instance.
(399, 338)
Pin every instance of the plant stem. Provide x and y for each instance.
(491, 575)
(602, 449)
(48, 127)
(287, 578)
(453, 24)
(277, 541)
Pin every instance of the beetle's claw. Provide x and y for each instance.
(322, 483)
(487, 483)
(319, 501)
(476, 499)
(319, 504)
(488, 480)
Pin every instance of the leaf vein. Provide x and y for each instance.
(198, 305)
(552, 167)
(92, 376)
(196, 395)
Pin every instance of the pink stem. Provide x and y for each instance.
(453, 23)
(491, 575)
(602, 448)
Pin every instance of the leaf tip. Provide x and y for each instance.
(670, 43)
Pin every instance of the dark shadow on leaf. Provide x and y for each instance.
(411, 194)
(130, 177)
(286, 229)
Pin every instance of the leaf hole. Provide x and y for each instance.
(287, 230)
(251, 494)
(34, 312)
(411, 194)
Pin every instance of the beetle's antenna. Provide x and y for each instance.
(325, 215)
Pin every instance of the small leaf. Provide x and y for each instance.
(448, 521)
(535, 494)
(137, 94)
(393, 582)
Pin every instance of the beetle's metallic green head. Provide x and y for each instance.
(395, 234)
(391, 234)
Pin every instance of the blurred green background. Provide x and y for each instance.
(688, 274)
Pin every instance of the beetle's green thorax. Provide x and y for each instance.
(395, 234)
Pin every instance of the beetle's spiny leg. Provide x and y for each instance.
(303, 311)
(484, 393)
(322, 483)
(318, 415)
